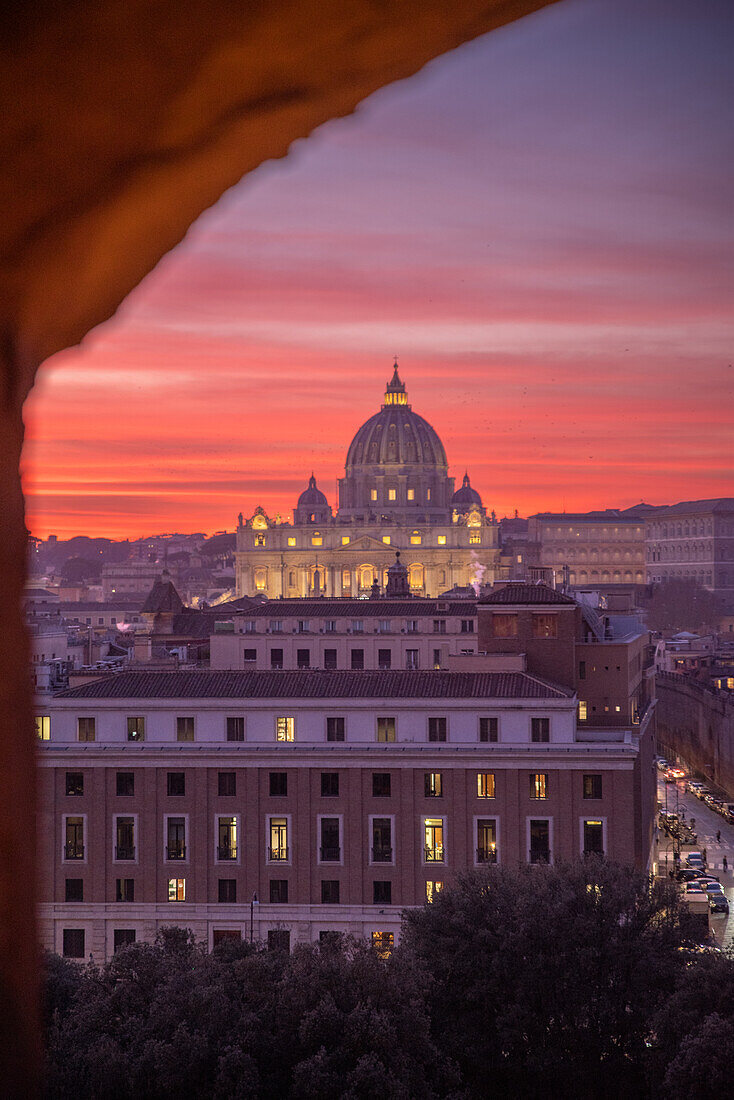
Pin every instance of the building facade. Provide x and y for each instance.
(298, 804)
(592, 549)
(694, 540)
(396, 494)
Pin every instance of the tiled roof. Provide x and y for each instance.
(345, 608)
(690, 507)
(318, 684)
(163, 597)
(526, 594)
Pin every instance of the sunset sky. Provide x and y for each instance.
(539, 224)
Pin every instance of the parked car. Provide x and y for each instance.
(689, 874)
(694, 859)
(714, 888)
(718, 904)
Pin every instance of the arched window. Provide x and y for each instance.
(292, 579)
(415, 575)
(366, 576)
(261, 579)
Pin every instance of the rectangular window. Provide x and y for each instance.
(385, 729)
(415, 539)
(488, 728)
(330, 892)
(276, 658)
(304, 626)
(329, 658)
(227, 838)
(384, 942)
(439, 626)
(279, 939)
(176, 838)
(384, 658)
(125, 889)
(176, 783)
(227, 784)
(436, 729)
(441, 540)
(74, 783)
(381, 840)
(236, 728)
(278, 847)
(357, 626)
(291, 540)
(86, 729)
(335, 728)
(74, 838)
(485, 785)
(330, 848)
(125, 838)
(330, 784)
(582, 670)
(545, 626)
(467, 626)
(121, 937)
(222, 935)
(540, 729)
(433, 784)
(357, 659)
(73, 943)
(185, 728)
(227, 890)
(381, 784)
(382, 892)
(278, 891)
(433, 889)
(504, 626)
(592, 786)
(433, 839)
(43, 727)
(125, 783)
(593, 838)
(330, 626)
(74, 889)
(392, 494)
(538, 785)
(412, 658)
(303, 658)
(278, 784)
(177, 889)
(486, 840)
(136, 729)
(373, 494)
(437, 658)
(285, 729)
(411, 494)
(475, 538)
(540, 841)
(583, 710)
(411, 626)
(345, 540)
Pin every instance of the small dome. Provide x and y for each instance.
(312, 497)
(466, 496)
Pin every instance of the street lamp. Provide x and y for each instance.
(253, 903)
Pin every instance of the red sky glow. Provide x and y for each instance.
(539, 224)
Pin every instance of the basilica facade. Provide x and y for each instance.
(396, 495)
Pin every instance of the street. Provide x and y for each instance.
(708, 823)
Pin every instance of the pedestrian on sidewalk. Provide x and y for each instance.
(718, 836)
(693, 823)
(703, 855)
(725, 864)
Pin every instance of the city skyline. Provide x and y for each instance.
(539, 224)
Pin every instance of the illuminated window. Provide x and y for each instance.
(433, 889)
(185, 728)
(433, 784)
(291, 540)
(538, 785)
(415, 538)
(475, 538)
(383, 943)
(386, 539)
(504, 626)
(373, 494)
(259, 521)
(415, 575)
(386, 729)
(583, 710)
(259, 540)
(411, 494)
(346, 578)
(593, 838)
(285, 729)
(136, 729)
(433, 839)
(177, 889)
(227, 838)
(392, 494)
(43, 727)
(86, 730)
(278, 847)
(345, 540)
(261, 579)
(486, 840)
(316, 539)
(441, 540)
(428, 494)
(545, 626)
(485, 785)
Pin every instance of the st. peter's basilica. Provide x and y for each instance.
(396, 495)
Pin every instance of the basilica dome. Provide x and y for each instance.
(396, 436)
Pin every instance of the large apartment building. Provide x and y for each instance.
(694, 540)
(290, 805)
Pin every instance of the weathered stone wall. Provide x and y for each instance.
(697, 724)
